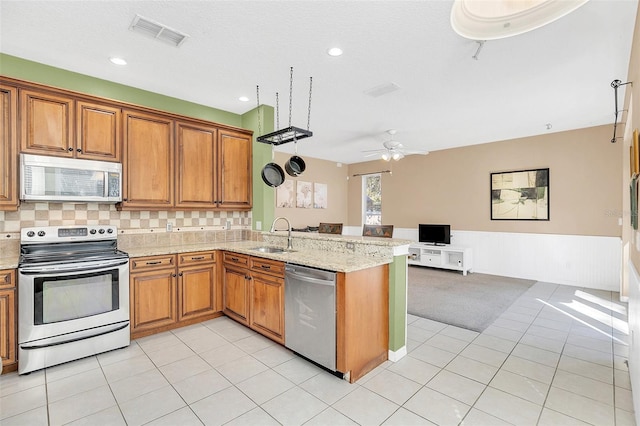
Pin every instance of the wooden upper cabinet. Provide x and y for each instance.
(148, 159)
(98, 132)
(235, 174)
(196, 159)
(46, 123)
(8, 148)
(63, 127)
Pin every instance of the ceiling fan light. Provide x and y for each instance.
(386, 156)
(397, 156)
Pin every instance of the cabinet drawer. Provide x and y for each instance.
(267, 266)
(236, 259)
(196, 257)
(7, 278)
(152, 262)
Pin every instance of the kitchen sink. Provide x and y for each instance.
(275, 250)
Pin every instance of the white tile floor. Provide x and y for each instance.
(555, 357)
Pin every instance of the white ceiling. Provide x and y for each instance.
(558, 74)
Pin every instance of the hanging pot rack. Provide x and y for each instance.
(290, 133)
(615, 84)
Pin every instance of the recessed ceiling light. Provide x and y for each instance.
(243, 99)
(334, 51)
(117, 61)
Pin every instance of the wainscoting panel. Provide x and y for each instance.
(634, 336)
(583, 261)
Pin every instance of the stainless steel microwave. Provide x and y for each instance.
(45, 178)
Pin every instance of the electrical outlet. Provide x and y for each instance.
(351, 246)
(258, 225)
(169, 227)
(228, 224)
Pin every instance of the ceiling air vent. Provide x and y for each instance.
(157, 30)
(382, 89)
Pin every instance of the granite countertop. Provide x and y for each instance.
(9, 261)
(333, 261)
(323, 251)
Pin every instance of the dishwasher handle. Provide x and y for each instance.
(290, 274)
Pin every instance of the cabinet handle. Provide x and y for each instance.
(197, 258)
(7, 279)
(79, 150)
(156, 262)
(69, 149)
(125, 199)
(235, 259)
(265, 266)
(247, 277)
(173, 275)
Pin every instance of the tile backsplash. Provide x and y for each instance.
(59, 214)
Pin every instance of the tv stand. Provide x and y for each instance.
(441, 256)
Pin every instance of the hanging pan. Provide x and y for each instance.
(272, 174)
(296, 165)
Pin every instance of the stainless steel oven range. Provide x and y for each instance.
(73, 294)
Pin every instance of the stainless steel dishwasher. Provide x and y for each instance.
(310, 313)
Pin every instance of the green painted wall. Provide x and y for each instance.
(263, 195)
(397, 302)
(11, 66)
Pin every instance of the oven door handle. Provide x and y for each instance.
(74, 337)
(90, 266)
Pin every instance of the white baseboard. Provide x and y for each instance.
(396, 356)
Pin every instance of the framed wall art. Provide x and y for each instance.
(520, 195)
(304, 195)
(285, 194)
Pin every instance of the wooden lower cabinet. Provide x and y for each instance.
(254, 294)
(266, 300)
(172, 291)
(8, 320)
(362, 320)
(153, 299)
(236, 292)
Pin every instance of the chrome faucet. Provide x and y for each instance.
(273, 228)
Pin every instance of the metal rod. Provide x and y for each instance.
(371, 173)
(480, 44)
(615, 84)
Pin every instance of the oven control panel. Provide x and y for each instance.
(52, 234)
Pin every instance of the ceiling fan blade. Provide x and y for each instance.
(372, 154)
(374, 150)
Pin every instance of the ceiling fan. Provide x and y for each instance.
(393, 150)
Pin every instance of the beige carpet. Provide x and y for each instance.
(472, 302)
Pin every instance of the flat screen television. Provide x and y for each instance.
(434, 234)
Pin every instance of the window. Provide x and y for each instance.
(372, 199)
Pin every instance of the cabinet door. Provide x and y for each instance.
(236, 294)
(98, 132)
(8, 148)
(147, 161)
(234, 183)
(46, 124)
(153, 299)
(196, 165)
(197, 296)
(267, 306)
(8, 319)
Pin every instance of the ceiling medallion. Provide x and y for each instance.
(495, 19)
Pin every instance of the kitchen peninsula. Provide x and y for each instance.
(249, 287)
